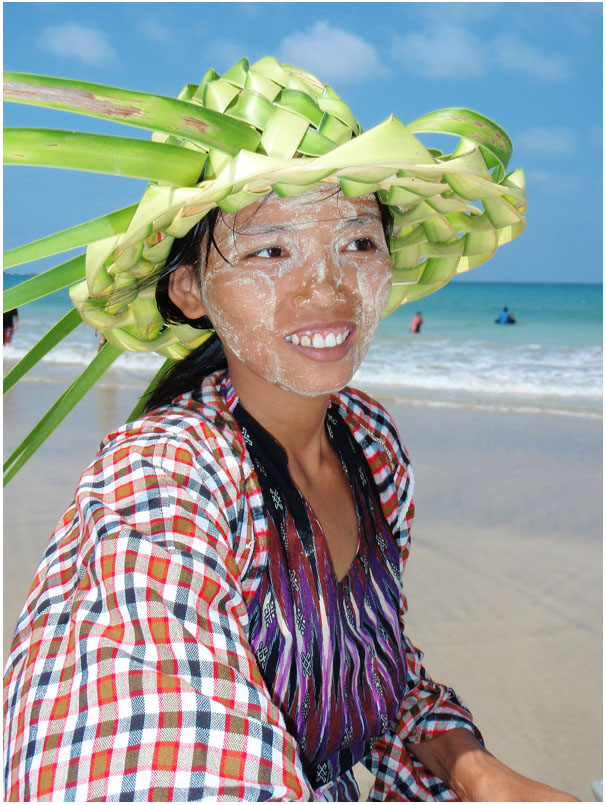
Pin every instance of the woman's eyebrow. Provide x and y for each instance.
(360, 220)
(349, 223)
(268, 229)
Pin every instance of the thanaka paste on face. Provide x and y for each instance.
(313, 227)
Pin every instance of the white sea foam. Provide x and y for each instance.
(473, 369)
(430, 369)
(71, 353)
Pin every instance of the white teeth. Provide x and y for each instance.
(318, 341)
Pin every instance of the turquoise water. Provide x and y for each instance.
(551, 360)
(546, 314)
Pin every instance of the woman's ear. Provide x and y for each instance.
(184, 292)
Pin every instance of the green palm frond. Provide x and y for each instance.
(41, 285)
(50, 339)
(80, 235)
(102, 153)
(141, 109)
(59, 410)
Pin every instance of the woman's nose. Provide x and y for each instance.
(321, 284)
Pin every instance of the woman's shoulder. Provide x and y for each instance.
(363, 411)
(362, 404)
(198, 429)
(174, 475)
(377, 434)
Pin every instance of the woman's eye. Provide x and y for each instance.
(269, 252)
(361, 245)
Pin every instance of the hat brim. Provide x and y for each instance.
(450, 215)
(451, 211)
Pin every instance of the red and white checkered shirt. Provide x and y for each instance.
(130, 675)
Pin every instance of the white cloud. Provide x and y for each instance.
(449, 50)
(559, 184)
(512, 53)
(548, 141)
(72, 40)
(452, 13)
(221, 54)
(331, 53)
(155, 30)
(595, 137)
(443, 52)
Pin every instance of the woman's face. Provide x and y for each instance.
(300, 293)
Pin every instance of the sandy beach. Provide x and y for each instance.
(504, 582)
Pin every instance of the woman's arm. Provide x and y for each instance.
(476, 775)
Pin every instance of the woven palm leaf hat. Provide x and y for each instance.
(258, 128)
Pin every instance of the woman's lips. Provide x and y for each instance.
(328, 342)
(319, 339)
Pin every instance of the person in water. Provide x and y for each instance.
(10, 324)
(220, 613)
(415, 324)
(505, 317)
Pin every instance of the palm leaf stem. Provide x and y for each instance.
(105, 226)
(54, 279)
(59, 410)
(50, 339)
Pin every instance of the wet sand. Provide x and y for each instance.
(504, 581)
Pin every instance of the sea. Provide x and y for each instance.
(550, 361)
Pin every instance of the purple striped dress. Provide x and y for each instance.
(330, 652)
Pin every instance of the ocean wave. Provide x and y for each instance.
(485, 368)
(75, 354)
(507, 406)
(465, 369)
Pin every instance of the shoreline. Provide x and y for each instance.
(504, 578)
(444, 399)
(120, 378)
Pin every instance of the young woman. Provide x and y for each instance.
(219, 614)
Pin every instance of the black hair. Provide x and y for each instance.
(186, 375)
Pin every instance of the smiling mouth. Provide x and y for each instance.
(319, 340)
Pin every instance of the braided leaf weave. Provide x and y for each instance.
(450, 211)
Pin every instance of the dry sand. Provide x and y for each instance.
(504, 581)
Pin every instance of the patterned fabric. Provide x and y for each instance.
(131, 676)
(330, 652)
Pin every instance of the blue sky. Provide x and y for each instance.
(535, 68)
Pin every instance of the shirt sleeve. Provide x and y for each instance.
(137, 682)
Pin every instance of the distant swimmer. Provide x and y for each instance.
(417, 321)
(11, 320)
(505, 317)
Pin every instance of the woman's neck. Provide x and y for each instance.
(294, 420)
